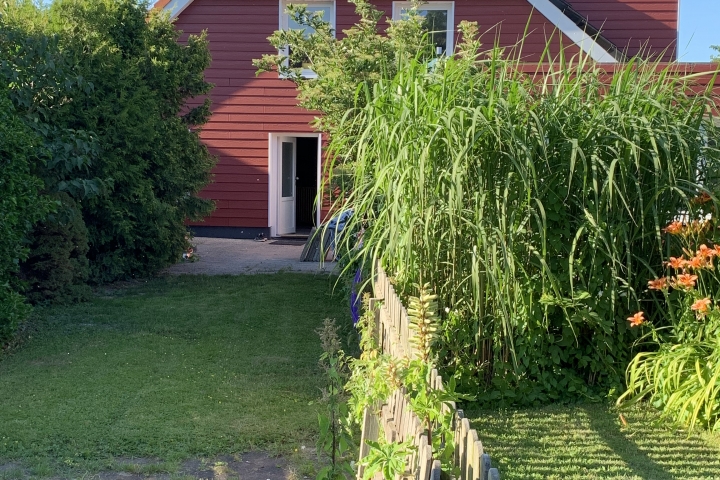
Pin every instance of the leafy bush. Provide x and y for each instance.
(141, 78)
(56, 269)
(105, 88)
(533, 206)
(20, 207)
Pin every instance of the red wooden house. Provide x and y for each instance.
(269, 165)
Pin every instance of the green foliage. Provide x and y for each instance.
(57, 268)
(20, 207)
(141, 77)
(682, 379)
(717, 49)
(532, 205)
(363, 55)
(387, 458)
(680, 375)
(335, 439)
(375, 376)
(105, 87)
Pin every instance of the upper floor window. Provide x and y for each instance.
(288, 23)
(438, 21)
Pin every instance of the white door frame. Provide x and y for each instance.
(273, 167)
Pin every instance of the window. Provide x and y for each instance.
(313, 6)
(439, 21)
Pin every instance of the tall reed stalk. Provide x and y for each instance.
(533, 203)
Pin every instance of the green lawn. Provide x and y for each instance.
(169, 369)
(589, 442)
(198, 366)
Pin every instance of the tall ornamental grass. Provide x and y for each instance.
(532, 202)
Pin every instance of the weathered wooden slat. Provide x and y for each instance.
(425, 459)
(474, 456)
(486, 466)
(494, 474)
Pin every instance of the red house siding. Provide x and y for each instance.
(647, 26)
(247, 108)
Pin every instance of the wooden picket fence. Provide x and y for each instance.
(396, 419)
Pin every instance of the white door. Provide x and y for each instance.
(287, 150)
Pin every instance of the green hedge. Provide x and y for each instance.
(20, 207)
(97, 125)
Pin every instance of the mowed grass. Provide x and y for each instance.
(174, 368)
(590, 442)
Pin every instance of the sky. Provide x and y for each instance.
(699, 28)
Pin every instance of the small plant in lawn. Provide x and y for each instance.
(681, 374)
(389, 458)
(335, 438)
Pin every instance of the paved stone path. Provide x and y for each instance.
(223, 256)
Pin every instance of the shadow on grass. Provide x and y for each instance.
(588, 441)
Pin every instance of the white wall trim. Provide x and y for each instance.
(175, 7)
(272, 176)
(572, 31)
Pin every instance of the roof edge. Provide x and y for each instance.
(581, 21)
(568, 26)
(572, 30)
(175, 7)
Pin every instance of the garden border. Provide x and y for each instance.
(397, 420)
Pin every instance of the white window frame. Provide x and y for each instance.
(398, 7)
(284, 22)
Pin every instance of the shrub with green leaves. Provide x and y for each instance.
(141, 79)
(105, 87)
(56, 269)
(20, 207)
(533, 204)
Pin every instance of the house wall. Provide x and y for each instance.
(643, 26)
(247, 108)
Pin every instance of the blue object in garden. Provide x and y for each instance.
(355, 297)
(336, 225)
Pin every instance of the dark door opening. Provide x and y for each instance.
(306, 183)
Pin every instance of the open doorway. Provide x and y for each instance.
(306, 184)
(294, 178)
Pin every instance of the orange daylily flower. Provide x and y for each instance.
(685, 280)
(677, 263)
(637, 319)
(696, 262)
(717, 249)
(701, 306)
(658, 284)
(674, 228)
(707, 252)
